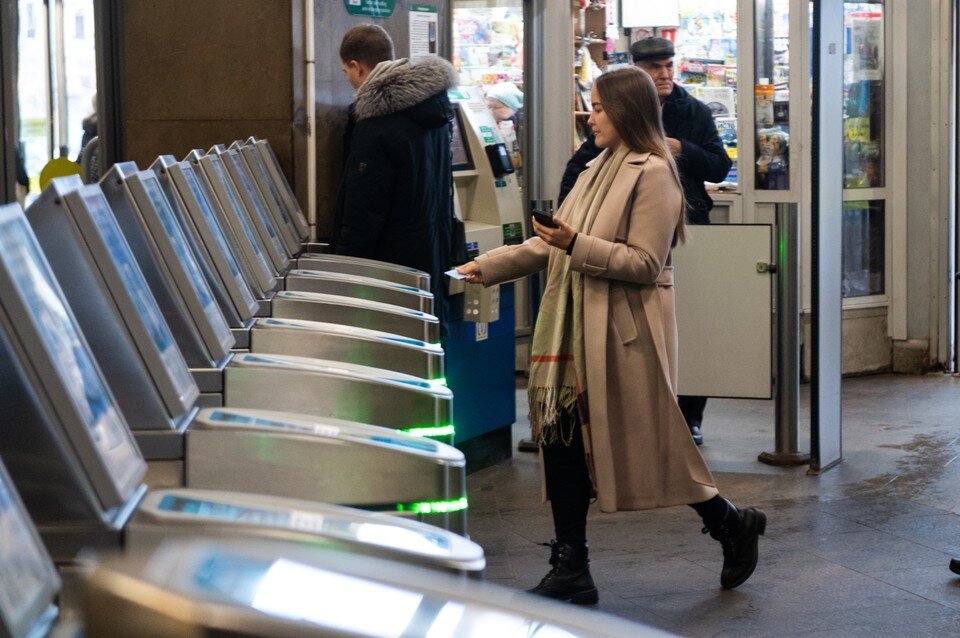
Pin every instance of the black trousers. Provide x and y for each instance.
(569, 487)
(692, 408)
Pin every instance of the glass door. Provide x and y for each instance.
(56, 86)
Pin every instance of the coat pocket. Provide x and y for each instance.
(623, 320)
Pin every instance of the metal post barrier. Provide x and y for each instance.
(787, 398)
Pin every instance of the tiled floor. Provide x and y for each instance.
(861, 550)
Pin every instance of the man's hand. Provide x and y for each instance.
(674, 145)
(559, 237)
(472, 271)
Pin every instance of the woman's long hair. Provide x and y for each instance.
(629, 98)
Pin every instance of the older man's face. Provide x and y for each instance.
(662, 73)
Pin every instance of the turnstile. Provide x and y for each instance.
(335, 342)
(365, 268)
(329, 460)
(340, 391)
(204, 587)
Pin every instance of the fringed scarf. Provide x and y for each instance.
(558, 380)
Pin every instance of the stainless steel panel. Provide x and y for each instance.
(337, 390)
(357, 312)
(205, 587)
(337, 342)
(365, 268)
(179, 512)
(369, 288)
(317, 459)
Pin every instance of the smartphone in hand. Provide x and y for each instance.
(544, 219)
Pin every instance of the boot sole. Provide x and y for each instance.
(589, 597)
(760, 525)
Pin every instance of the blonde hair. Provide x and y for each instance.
(630, 100)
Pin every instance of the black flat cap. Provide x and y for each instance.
(651, 49)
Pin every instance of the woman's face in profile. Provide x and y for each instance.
(605, 135)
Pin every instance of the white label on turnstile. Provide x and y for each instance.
(483, 331)
(206, 508)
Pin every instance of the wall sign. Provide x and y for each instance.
(371, 8)
(423, 31)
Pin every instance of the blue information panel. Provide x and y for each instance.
(185, 257)
(139, 292)
(235, 202)
(67, 350)
(254, 196)
(27, 576)
(211, 221)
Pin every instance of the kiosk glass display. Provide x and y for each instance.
(69, 352)
(28, 580)
(864, 95)
(459, 146)
(139, 292)
(185, 257)
(772, 94)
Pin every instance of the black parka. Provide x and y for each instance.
(702, 157)
(397, 197)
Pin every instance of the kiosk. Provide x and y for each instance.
(480, 348)
(276, 590)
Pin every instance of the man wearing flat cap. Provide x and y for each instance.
(696, 146)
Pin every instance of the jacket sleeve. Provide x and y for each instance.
(704, 158)
(368, 194)
(513, 262)
(577, 164)
(654, 213)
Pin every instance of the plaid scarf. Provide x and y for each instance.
(558, 381)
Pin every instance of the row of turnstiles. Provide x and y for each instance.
(211, 427)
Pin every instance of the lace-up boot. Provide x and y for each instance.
(570, 579)
(738, 533)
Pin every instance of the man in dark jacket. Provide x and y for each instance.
(397, 203)
(695, 144)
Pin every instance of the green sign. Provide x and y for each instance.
(487, 134)
(372, 8)
(423, 8)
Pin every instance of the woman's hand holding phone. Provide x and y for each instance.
(558, 236)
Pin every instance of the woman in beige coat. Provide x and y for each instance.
(603, 369)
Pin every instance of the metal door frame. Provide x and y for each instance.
(8, 103)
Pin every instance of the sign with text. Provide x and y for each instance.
(423, 31)
(371, 8)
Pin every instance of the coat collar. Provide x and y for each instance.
(399, 84)
(633, 158)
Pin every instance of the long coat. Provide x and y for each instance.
(642, 451)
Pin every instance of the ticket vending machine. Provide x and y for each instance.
(205, 588)
(480, 349)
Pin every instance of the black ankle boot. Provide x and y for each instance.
(570, 579)
(738, 533)
(955, 565)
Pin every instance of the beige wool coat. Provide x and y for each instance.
(642, 451)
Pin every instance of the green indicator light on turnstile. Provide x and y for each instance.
(434, 507)
(440, 431)
(441, 382)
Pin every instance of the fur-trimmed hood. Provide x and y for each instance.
(397, 85)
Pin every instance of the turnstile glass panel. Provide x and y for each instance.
(181, 186)
(286, 191)
(159, 217)
(232, 217)
(36, 312)
(28, 581)
(253, 200)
